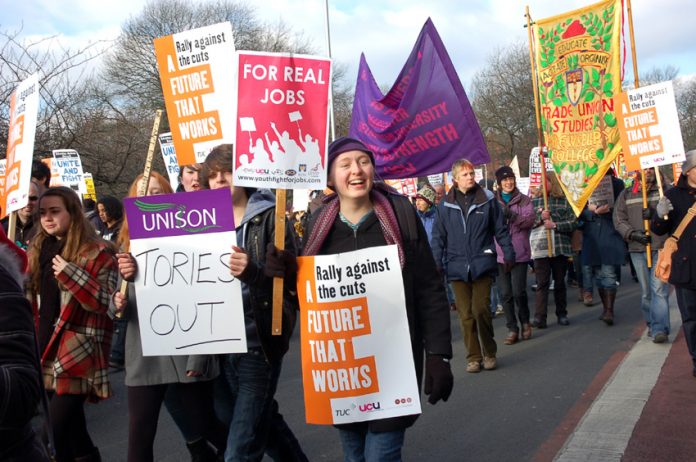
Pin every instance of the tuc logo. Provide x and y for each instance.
(369, 407)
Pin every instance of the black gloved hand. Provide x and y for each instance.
(507, 266)
(648, 213)
(438, 378)
(640, 237)
(279, 263)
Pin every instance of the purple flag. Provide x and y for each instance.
(425, 122)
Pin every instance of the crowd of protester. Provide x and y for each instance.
(64, 322)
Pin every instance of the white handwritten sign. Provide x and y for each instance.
(188, 303)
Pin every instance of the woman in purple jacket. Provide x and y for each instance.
(519, 218)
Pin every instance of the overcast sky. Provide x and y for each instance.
(385, 30)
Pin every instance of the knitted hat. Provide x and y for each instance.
(690, 161)
(426, 193)
(21, 255)
(504, 172)
(345, 144)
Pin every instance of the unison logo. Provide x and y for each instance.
(157, 217)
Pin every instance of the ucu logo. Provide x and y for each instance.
(369, 407)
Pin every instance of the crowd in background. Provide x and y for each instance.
(64, 323)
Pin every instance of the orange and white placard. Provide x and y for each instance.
(24, 109)
(649, 127)
(196, 69)
(357, 363)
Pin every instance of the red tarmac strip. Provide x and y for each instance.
(666, 428)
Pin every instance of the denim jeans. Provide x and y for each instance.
(587, 279)
(495, 298)
(655, 294)
(603, 275)
(686, 300)
(513, 291)
(244, 400)
(366, 446)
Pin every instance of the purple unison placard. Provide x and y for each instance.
(425, 122)
(180, 214)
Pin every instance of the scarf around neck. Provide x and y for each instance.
(385, 215)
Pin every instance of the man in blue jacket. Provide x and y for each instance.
(462, 243)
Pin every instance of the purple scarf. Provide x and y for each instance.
(327, 217)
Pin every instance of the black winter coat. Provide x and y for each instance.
(682, 197)
(462, 241)
(260, 231)
(21, 387)
(427, 308)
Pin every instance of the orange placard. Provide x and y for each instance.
(357, 363)
(635, 127)
(196, 71)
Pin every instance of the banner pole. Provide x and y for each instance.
(331, 105)
(142, 187)
(277, 314)
(540, 134)
(646, 223)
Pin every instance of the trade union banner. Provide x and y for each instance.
(196, 69)
(425, 122)
(578, 65)
(188, 303)
(282, 120)
(24, 109)
(357, 362)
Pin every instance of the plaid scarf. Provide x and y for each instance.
(327, 217)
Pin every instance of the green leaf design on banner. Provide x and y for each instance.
(607, 87)
(145, 207)
(610, 119)
(600, 154)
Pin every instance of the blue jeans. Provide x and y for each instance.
(366, 446)
(604, 275)
(244, 395)
(495, 298)
(587, 279)
(655, 294)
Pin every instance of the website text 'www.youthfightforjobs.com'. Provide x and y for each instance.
(282, 179)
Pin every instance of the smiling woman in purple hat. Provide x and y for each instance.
(365, 214)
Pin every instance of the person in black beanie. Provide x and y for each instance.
(363, 214)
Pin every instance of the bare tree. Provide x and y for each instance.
(62, 75)
(131, 66)
(503, 101)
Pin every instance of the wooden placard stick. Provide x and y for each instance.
(277, 319)
(12, 226)
(142, 187)
(646, 223)
(540, 134)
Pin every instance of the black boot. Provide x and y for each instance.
(609, 316)
(602, 296)
(93, 456)
(201, 451)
